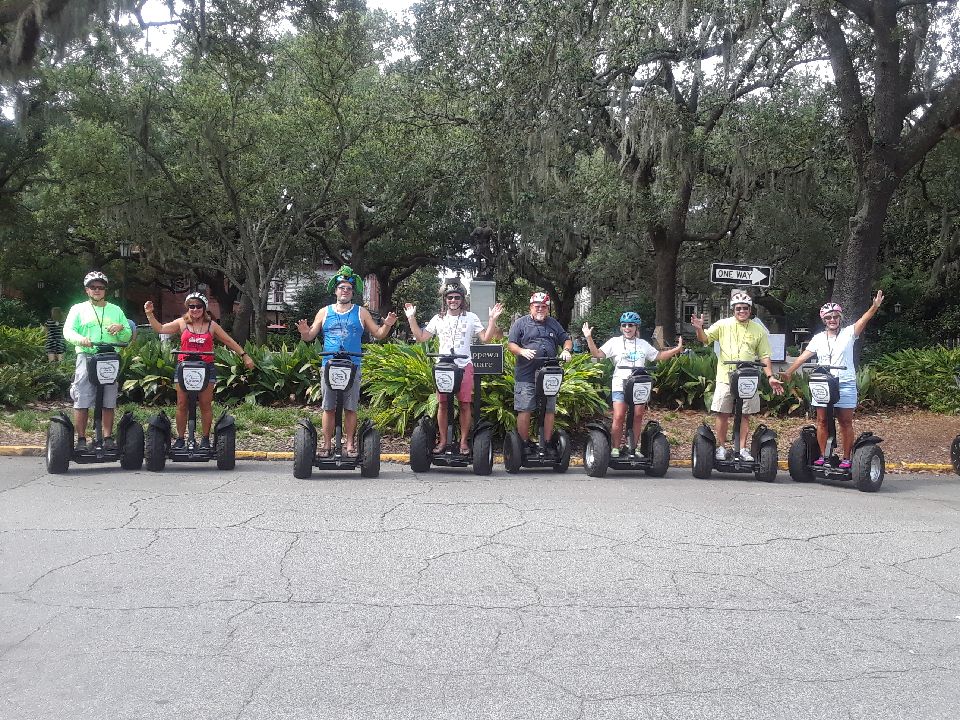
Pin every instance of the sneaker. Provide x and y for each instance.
(615, 452)
(746, 456)
(205, 443)
(179, 444)
(109, 443)
(845, 464)
(721, 453)
(81, 444)
(819, 461)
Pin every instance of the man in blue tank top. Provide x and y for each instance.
(342, 325)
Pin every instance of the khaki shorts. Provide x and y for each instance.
(723, 402)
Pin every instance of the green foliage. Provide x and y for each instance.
(924, 377)
(686, 380)
(36, 380)
(399, 381)
(15, 313)
(20, 344)
(604, 317)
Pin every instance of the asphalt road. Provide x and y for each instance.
(199, 594)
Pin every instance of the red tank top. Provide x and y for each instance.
(197, 343)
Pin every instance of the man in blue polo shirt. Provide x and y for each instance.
(536, 335)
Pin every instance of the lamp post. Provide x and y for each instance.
(897, 308)
(830, 274)
(125, 249)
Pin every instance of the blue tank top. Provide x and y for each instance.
(342, 331)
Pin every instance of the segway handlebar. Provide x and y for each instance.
(448, 355)
(189, 355)
(744, 363)
(820, 366)
(341, 353)
(99, 345)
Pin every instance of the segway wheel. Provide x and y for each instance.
(370, 452)
(482, 453)
(561, 441)
(596, 455)
(512, 452)
(767, 472)
(868, 468)
(227, 448)
(955, 454)
(421, 443)
(156, 449)
(131, 454)
(659, 456)
(59, 448)
(304, 451)
(798, 461)
(701, 458)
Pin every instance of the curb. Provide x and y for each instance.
(404, 458)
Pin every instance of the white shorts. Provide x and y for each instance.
(84, 392)
(723, 402)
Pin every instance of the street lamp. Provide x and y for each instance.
(40, 284)
(897, 307)
(830, 274)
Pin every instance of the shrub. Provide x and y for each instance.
(923, 377)
(37, 380)
(15, 313)
(19, 345)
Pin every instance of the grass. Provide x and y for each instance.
(26, 420)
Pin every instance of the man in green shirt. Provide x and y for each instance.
(88, 323)
(740, 339)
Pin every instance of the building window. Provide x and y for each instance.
(689, 310)
(278, 292)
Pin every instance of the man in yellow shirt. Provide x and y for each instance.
(739, 339)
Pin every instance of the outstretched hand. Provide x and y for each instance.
(697, 321)
(878, 298)
(409, 309)
(776, 386)
(587, 330)
(496, 311)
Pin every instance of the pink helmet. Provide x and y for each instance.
(830, 307)
(540, 297)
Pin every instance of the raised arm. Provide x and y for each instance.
(309, 332)
(378, 331)
(594, 350)
(697, 323)
(860, 324)
(667, 354)
(801, 359)
(419, 334)
(167, 329)
(491, 331)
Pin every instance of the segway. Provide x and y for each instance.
(193, 375)
(653, 455)
(340, 374)
(867, 462)
(955, 448)
(447, 376)
(103, 369)
(554, 453)
(744, 384)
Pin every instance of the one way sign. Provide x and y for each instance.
(725, 274)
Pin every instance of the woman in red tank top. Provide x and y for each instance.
(197, 333)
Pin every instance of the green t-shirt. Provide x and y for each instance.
(738, 341)
(87, 321)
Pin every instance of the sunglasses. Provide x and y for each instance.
(831, 317)
(195, 307)
(742, 308)
(454, 297)
(626, 325)
(96, 287)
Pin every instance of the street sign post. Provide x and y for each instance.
(752, 275)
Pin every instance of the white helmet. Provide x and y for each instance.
(540, 297)
(739, 297)
(95, 275)
(196, 296)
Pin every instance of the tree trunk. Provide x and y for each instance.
(666, 250)
(241, 323)
(857, 266)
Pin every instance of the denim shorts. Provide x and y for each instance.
(618, 396)
(211, 373)
(848, 395)
(525, 398)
